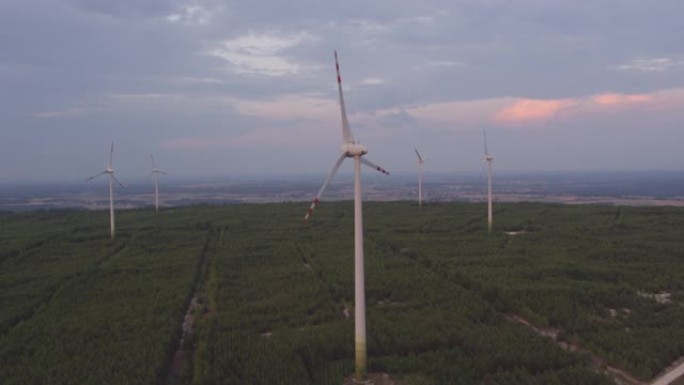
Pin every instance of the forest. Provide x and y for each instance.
(557, 294)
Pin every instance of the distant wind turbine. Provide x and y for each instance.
(109, 170)
(421, 160)
(353, 149)
(155, 174)
(488, 158)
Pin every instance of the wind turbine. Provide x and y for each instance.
(109, 170)
(155, 173)
(421, 160)
(353, 149)
(488, 158)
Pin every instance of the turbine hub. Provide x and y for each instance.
(354, 149)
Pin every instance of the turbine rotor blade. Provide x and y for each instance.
(111, 154)
(374, 166)
(420, 158)
(347, 135)
(484, 132)
(154, 165)
(117, 181)
(95, 176)
(325, 185)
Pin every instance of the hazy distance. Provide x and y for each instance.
(623, 188)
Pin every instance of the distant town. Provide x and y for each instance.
(664, 188)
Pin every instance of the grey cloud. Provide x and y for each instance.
(128, 8)
(62, 60)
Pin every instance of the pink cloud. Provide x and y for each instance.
(621, 99)
(532, 110)
(538, 110)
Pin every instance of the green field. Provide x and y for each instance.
(442, 295)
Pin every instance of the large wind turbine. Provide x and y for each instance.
(155, 174)
(421, 160)
(488, 158)
(109, 170)
(353, 149)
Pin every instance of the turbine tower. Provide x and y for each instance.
(488, 158)
(353, 149)
(421, 160)
(155, 173)
(109, 170)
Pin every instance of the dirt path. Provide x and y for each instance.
(671, 374)
(181, 366)
(620, 376)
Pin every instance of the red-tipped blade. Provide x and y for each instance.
(347, 136)
(117, 181)
(374, 166)
(325, 185)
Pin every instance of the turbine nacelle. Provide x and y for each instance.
(354, 149)
(488, 158)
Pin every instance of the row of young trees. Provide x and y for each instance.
(285, 292)
(589, 271)
(83, 309)
(276, 296)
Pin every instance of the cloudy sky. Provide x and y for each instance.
(216, 87)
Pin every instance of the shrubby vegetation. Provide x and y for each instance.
(79, 308)
(276, 296)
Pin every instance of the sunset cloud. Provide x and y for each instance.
(540, 110)
(510, 111)
(533, 110)
(621, 99)
(463, 112)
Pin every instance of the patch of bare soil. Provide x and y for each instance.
(620, 376)
(184, 353)
(373, 379)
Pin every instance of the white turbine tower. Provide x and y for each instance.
(421, 160)
(488, 158)
(109, 170)
(353, 149)
(155, 174)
